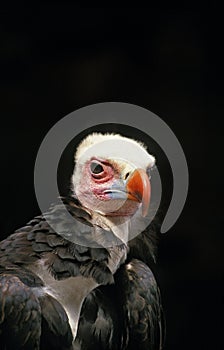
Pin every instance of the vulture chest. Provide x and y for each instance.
(70, 292)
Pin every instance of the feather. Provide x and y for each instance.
(83, 284)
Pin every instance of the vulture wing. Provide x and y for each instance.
(127, 315)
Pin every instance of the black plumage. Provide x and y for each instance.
(124, 312)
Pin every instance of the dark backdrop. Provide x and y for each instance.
(55, 59)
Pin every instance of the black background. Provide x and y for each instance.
(56, 58)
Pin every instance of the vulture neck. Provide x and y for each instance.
(105, 231)
(118, 225)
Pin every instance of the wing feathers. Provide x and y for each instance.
(20, 315)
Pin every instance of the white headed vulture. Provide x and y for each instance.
(56, 293)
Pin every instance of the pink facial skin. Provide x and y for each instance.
(102, 189)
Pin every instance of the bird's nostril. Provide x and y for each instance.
(126, 175)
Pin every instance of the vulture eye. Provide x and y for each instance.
(96, 168)
(99, 171)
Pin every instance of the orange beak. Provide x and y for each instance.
(139, 189)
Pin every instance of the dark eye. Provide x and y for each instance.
(96, 168)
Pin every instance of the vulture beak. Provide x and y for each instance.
(139, 189)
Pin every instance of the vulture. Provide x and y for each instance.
(87, 284)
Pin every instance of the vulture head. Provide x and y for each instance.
(111, 175)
